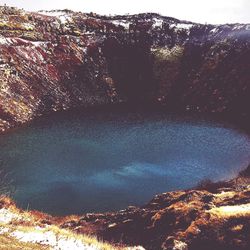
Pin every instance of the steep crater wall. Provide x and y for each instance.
(58, 60)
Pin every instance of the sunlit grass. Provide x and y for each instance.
(23, 230)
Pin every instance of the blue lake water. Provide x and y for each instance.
(106, 162)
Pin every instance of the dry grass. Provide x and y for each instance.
(231, 211)
(24, 230)
(10, 243)
(33, 237)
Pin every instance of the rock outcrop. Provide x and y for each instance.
(58, 60)
(23, 230)
(215, 216)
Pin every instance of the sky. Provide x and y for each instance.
(202, 11)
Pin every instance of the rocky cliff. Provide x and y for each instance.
(214, 216)
(57, 60)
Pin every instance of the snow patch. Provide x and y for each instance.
(61, 15)
(214, 30)
(56, 13)
(238, 27)
(122, 23)
(4, 41)
(65, 19)
(182, 27)
(157, 23)
(39, 43)
(51, 239)
(4, 230)
(6, 216)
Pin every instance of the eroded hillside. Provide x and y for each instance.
(61, 59)
(58, 60)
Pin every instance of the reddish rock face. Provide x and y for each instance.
(58, 60)
(52, 61)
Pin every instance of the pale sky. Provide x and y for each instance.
(210, 11)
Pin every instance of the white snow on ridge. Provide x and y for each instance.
(157, 23)
(61, 15)
(238, 27)
(234, 27)
(123, 23)
(214, 30)
(65, 19)
(182, 26)
(53, 13)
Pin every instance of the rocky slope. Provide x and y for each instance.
(61, 59)
(215, 216)
(58, 60)
(22, 230)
